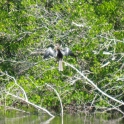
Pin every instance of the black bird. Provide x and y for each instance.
(58, 53)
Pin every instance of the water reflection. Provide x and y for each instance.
(12, 118)
(91, 119)
(68, 119)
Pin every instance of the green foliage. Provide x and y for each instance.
(89, 28)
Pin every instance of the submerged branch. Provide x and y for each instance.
(30, 103)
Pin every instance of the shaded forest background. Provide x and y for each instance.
(92, 29)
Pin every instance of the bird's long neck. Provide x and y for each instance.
(59, 54)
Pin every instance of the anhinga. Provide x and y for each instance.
(59, 53)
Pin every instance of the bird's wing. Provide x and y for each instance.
(66, 52)
(49, 52)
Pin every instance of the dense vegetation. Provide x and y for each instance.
(92, 29)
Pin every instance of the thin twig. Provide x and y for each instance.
(59, 99)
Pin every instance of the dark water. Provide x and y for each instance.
(12, 118)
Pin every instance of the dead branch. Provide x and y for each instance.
(94, 85)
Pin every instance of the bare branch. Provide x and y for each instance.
(30, 103)
(59, 99)
(94, 85)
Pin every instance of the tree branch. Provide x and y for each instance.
(94, 85)
(28, 102)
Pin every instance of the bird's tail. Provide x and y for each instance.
(60, 65)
